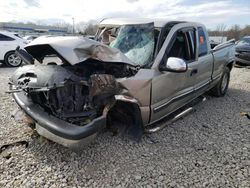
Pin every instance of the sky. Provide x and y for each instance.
(211, 13)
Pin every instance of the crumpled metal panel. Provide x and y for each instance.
(103, 84)
(77, 49)
(38, 76)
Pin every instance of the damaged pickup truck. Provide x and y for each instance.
(135, 73)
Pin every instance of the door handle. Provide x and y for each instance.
(193, 71)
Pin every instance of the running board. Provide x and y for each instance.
(172, 118)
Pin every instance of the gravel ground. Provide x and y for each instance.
(208, 148)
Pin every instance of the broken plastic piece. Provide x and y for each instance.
(245, 114)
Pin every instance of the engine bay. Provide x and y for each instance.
(76, 94)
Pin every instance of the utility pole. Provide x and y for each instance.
(73, 29)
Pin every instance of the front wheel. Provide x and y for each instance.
(220, 89)
(12, 60)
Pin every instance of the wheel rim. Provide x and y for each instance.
(224, 82)
(14, 60)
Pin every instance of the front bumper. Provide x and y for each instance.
(242, 58)
(242, 61)
(57, 130)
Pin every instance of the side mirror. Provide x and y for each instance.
(174, 64)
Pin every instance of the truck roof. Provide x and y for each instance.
(131, 21)
(158, 22)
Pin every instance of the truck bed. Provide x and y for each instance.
(222, 53)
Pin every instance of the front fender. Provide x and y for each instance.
(126, 98)
(144, 110)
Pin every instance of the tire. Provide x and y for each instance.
(220, 89)
(125, 119)
(12, 60)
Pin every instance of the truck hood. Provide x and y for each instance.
(74, 50)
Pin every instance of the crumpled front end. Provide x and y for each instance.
(66, 106)
(73, 92)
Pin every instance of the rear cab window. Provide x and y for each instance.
(203, 49)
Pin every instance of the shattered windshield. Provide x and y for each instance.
(135, 41)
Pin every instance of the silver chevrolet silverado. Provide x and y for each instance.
(135, 74)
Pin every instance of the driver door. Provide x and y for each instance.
(171, 90)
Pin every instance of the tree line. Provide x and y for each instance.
(234, 32)
(89, 28)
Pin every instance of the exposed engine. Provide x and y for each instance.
(70, 102)
(76, 94)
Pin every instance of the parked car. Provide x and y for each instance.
(242, 55)
(8, 43)
(149, 71)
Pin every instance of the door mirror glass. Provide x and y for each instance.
(174, 64)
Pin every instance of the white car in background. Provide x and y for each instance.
(8, 44)
(29, 38)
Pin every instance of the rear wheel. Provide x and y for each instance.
(220, 89)
(12, 60)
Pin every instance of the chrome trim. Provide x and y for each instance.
(164, 116)
(126, 99)
(179, 96)
(176, 64)
(175, 118)
(216, 77)
(203, 85)
(174, 98)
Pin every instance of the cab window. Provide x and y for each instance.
(183, 45)
(202, 42)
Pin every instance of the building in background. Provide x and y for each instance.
(32, 29)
